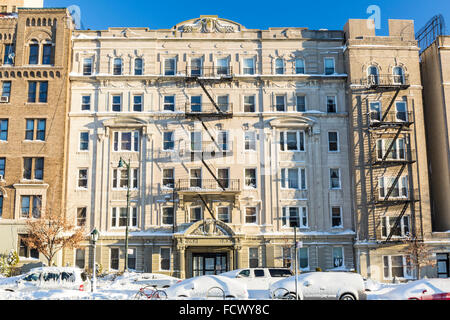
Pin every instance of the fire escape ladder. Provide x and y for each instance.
(208, 95)
(207, 207)
(391, 189)
(390, 105)
(397, 222)
(212, 173)
(392, 143)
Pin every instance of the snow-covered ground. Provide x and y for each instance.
(124, 288)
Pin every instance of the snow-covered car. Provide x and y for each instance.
(321, 286)
(258, 278)
(204, 287)
(48, 278)
(415, 290)
(156, 280)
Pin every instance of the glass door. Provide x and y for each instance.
(209, 264)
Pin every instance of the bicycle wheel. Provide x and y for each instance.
(159, 295)
(140, 296)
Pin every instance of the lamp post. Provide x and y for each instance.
(123, 163)
(94, 237)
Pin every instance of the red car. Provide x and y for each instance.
(436, 296)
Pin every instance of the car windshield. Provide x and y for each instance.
(244, 273)
(278, 273)
(32, 277)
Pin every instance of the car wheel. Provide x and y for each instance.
(290, 296)
(347, 296)
(230, 297)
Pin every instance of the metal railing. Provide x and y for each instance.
(205, 185)
(405, 155)
(386, 81)
(393, 117)
(209, 109)
(208, 72)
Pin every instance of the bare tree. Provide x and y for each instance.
(51, 233)
(418, 254)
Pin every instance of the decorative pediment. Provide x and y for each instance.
(209, 227)
(124, 122)
(292, 122)
(209, 24)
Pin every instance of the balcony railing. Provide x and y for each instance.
(395, 156)
(210, 147)
(385, 81)
(208, 185)
(392, 118)
(209, 109)
(208, 72)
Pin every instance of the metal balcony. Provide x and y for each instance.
(208, 185)
(209, 110)
(385, 81)
(395, 157)
(392, 119)
(208, 72)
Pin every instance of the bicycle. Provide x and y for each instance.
(150, 293)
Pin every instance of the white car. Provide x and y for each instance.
(208, 287)
(258, 278)
(321, 285)
(49, 278)
(156, 280)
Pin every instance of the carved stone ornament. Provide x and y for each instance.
(209, 228)
(209, 25)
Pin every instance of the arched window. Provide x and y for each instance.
(279, 66)
(117, 68)
(399, 75)
(39, 22)
(28, 22)
(299, 66)
(44, 22)
(138, 67)
(33, 22)
(373, 75)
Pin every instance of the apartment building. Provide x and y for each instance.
(224, 138)
(435, 67)
(35, 56)
(389, 158)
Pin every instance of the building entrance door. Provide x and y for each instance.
(209, 263)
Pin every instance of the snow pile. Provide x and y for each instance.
(412, 289)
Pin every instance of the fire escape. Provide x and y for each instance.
(389, 132)
(202, 113)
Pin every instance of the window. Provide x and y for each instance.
(116, 103)
(25, 251)
(83, 178)
(279, 66)
(167, 216)
(222, 140)
(223, 176)
(30, 207)
(396, 267)
(223, 214)
(401, 111)
(196, 104)
(2, 169)
(249, 104)
(32, 91)
(131, 259)
(397, 152)
(168, 178)
(331, 104)
(287, 257)
(195, 178)
(303, 258)
(222, 103)
(3, 129)
(250, 141)
(169, 103)
(120, 178)
(164, 262)
(335, 178)
(333, 141)
(85, 103)
(87, 66)
(294, 178)
(84, 141)
(292, 141)
(168, 141)
(137, 103)
(81, 217)
(295, 217)
(399, 75)
(34, 54)
(299, 66)
(9, 54)
(47, 50)
(280, 103)
(114, 259)
(373, 75)
(196, 141)
(253, 258)
(169, 67)
(6, 89)
(80, 258)
(388, 224)
(250, 178)
(196, 67)
(400, 189)
(195, 214)
(138, 70)
(119, 217)
(329, 66)
(249, 66)
(338, 257)
(336, 217)
(250, 215)
(33, 165)
(117, 68)
(35, 129)
(222, 66)
(375, 111)
(301, 103)
(126, 141)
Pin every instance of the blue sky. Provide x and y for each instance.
(316, 14)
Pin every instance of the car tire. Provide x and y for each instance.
(347, 296)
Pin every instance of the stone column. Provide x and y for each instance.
(181, 247)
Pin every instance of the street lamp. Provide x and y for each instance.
(123, 163)
(94, 237)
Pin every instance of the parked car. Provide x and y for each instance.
(321, 285)
(50, 278)
(258, 278)
(436, 296)
(153, 279)
(211, 286)
(423, 289)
